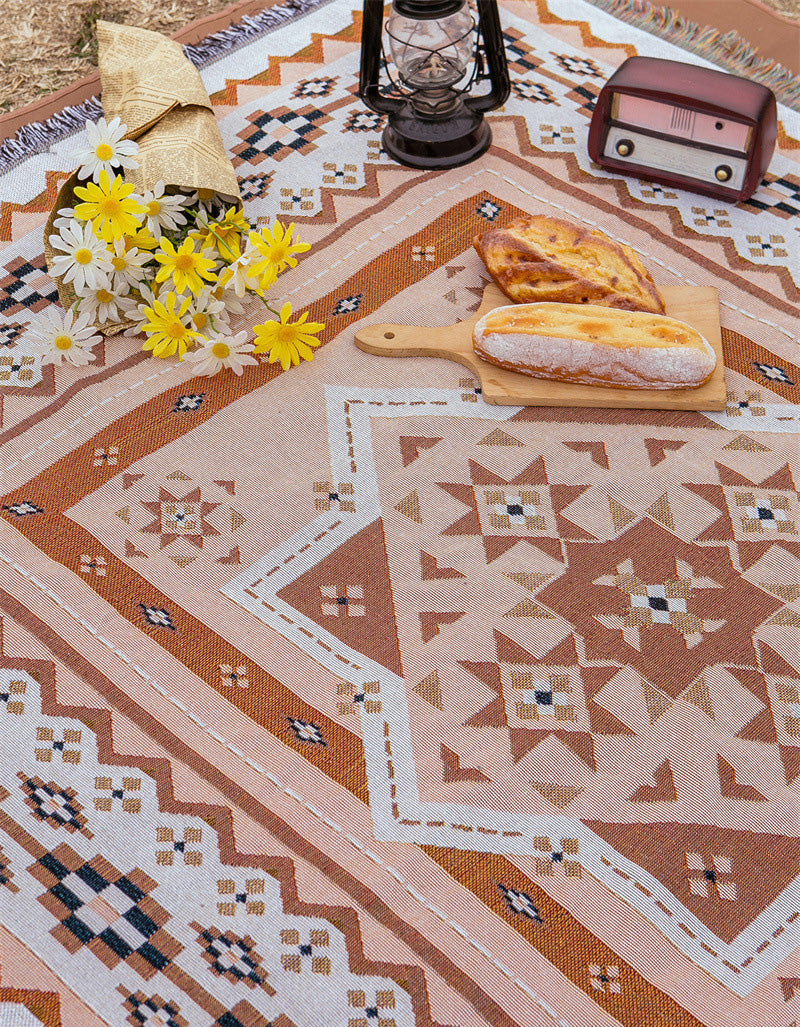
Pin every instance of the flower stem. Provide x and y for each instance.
(196, 215)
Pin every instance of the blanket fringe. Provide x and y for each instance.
(728, 49)
(39, 135)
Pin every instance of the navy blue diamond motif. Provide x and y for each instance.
(23, 509)
(488, 210)
(348, 304)
(188, 403)
(307, 731)
(773, 373)
(157, 616)
(521, 903)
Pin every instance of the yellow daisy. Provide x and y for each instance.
(277, 251)
(288, 341)
(143, 239)
(165, 330)
(109, 206)
(225, 235)
(184, 266)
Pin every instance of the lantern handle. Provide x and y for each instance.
(371, 50)
(492, 47)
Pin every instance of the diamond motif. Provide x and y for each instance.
(232, 957)
(54, 805)
(23, 509)
(109, 913)
(191, 401)
(364, 121)
(157, 616)
(773, 372)
(315, 87)
(488, 210)
(520, 902)
(348, 304)
(307, 731)
(151, 1010)
(277, 135)
(26, 286)
(536, 91)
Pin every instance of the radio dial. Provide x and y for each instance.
(624, 147)
(723, 173)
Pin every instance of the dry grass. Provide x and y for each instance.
(50, 44)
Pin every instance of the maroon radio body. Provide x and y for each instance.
(685, 126)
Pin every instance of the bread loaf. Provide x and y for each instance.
(539, 258)
(595, 345)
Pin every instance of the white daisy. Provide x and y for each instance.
(206, 201)
(107, 149)
(103, 304)
(58, 335)
(84, 261)
(127, 265)
(207, 314)
(66, 215)
(236, 276)
(233, 305)
(163, 210)
(135, 305)
(231, 351)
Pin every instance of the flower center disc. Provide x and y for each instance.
(63, 342)
(221, 350)
(83, 255)
(200, 319)
(110, 206)
(153, 208)
(105, 296)
(120, 263)
(287, 334)
(104, 151)
(184, 262)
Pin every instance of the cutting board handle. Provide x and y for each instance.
(454, 342)
(412, 340)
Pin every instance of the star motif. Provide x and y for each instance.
(526, 508)
(753, 515)
(626, 598)
(659, 602)
(180, 517)
(537, 697)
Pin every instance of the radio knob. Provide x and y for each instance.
(723, 173)
(624, 147)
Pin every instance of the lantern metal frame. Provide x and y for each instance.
(444, 134)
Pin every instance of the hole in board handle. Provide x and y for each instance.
(388, 335)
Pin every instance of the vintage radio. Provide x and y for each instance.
(685, 126)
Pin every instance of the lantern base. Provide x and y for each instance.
(429, 143)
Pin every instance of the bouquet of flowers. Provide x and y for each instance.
(172, 262)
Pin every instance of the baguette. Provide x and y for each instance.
(544, 259)
(595, 345)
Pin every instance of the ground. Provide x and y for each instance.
(51, 44)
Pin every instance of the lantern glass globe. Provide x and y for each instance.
(431, 53)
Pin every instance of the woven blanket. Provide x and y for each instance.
(341, 696)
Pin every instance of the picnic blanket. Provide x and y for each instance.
(339, 695)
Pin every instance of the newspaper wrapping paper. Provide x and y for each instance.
(157, 92)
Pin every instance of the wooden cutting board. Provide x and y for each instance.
(697, 305)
